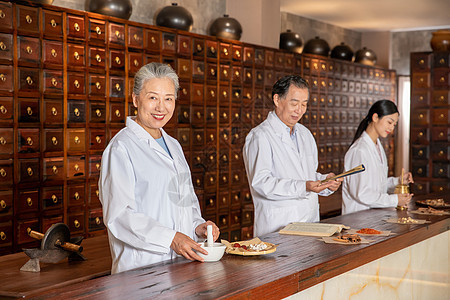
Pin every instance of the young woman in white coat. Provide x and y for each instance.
(372, 188)
(149, 205)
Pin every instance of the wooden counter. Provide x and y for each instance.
(299, 262)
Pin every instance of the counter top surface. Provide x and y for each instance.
(299, 262)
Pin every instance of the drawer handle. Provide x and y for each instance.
(97, 193)
(420, 134)
(225, 51)
(3, 204)
(76, 55)
(236, 115)
(199, 93)
(54, 53)
(441, 116)
(136, 63)
(29, 111)
(29, 19)
(184, 138)
(420, 152)
(98, 85)
(2, 46)
(117, 113)
(77, 140)
(237, 74)
(441, 134)
(225, 158)
(224, 179)
(97, 166)
(420, 171)
(76, 26)
(136, 37)
(211, 157)
(211, 202)
(441, 153)
(98, 30)
(76, 112)
(98, 58)
(117, 34)
(185, 92)
(213, 72)
(153, 40)
(185, 45)
(3, 77)
(211, 115)
(98, 139)
(76, 83)
(225, 73)
(225, 137)
(247, 115)
(29, 201)
(236, 219)
(211, 137)
(198, 159)
(185, 68)
(249, 97)
(2, 172)
(224, 200)
(199, 48)
(53, 23)
(76, 167)
(198, 182)
(29, 50)
(237, 53)
(169, 42)
(236, 94)
(247, 196)
(185, 114)
(118, 88)
(212, 49)
(30, 141)
(97, 221)
(54, 198)
(98, 112)
(2, 14)
(225, 94)
(118, 60)
(442, 79)
(421, 62)
(30, 172)
(213, 94)
(224, 115)
(54, 141)
(249, 75)
(236, 136)
(54, 82)
(54, 111)
(55, 170)
(2, 141)
(76, 223)
(199, 137)
(29, 80)
(2, 236)
(224, 221)
(76, 196)
(441, 171)
(236, 177)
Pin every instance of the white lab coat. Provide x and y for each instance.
(370, 188)
(277, 173)
(147, 197)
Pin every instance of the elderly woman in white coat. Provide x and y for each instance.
(280, 157)
(372, 188)
(149, 205)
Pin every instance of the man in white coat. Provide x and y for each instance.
(280, 157)
(149, 205)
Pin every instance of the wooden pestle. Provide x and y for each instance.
(65, 245)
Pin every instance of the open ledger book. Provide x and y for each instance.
(312, 229)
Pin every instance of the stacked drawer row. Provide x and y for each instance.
(66, 80)
(430, 118)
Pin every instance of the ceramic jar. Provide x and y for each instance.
(114, 8)
(440, 40)
(226, 28)
(366, 57)
(317, 46)
(291, 41)
(176, 17)
(343, 52)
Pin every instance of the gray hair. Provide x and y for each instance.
(154, 70)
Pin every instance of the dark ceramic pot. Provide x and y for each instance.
(317, 46)
(176, 17)
(366, 57)
(291, 41)
(440, 40)
(226, 28)
(114, 8)
(342, 51)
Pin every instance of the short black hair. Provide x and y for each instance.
(281, 87)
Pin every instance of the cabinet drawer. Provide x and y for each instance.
(152, 40)
(117, 87)
(420, 61)
(76, 223)
(211, 49)
(249, 54)
(52, 24)
(184, 45)
(117, 60)
(76, 166)
(97, 31)
(75, 27)
(441, 79)
(6, 19)
(94, 165)
(440, 98)
(211, 95)
(420, 152)
(53, 168)
(211, 116)
(183, 114)
(29, 51)
(25, 226)
(76, 140)
(76, 111)
(135, 37)
(6, 47)
(53, 82)
(29, 170)
(97, 58)
(97, 112)
(97, 138)
(420, 117)
(97, 85)
(440, 117)
(27, 19)
(28, 201)
(53, 53)
(6, 203)
(223, 200)
(420, 99)
(248, 76)
(420, 136)
(29, 80)
(6, 141)
(183, 136)
(28, 140)
(420, 169)
(6, 109)
(440, 152)
(53, 112)
(116, 34)
(6, 172)
(198, 48)
(440, 134)
(28, 110)
(441, 170)
(76, 56)
(211, 72)
(94, 200)
(76, 83)
(236, 75)
(76, 195)
(117, 112)
(135, 62)
(184, 68)
(420, 80)
(168, 43)
(96, 220)
(52, 198)
(440, 186)
(53, 140)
